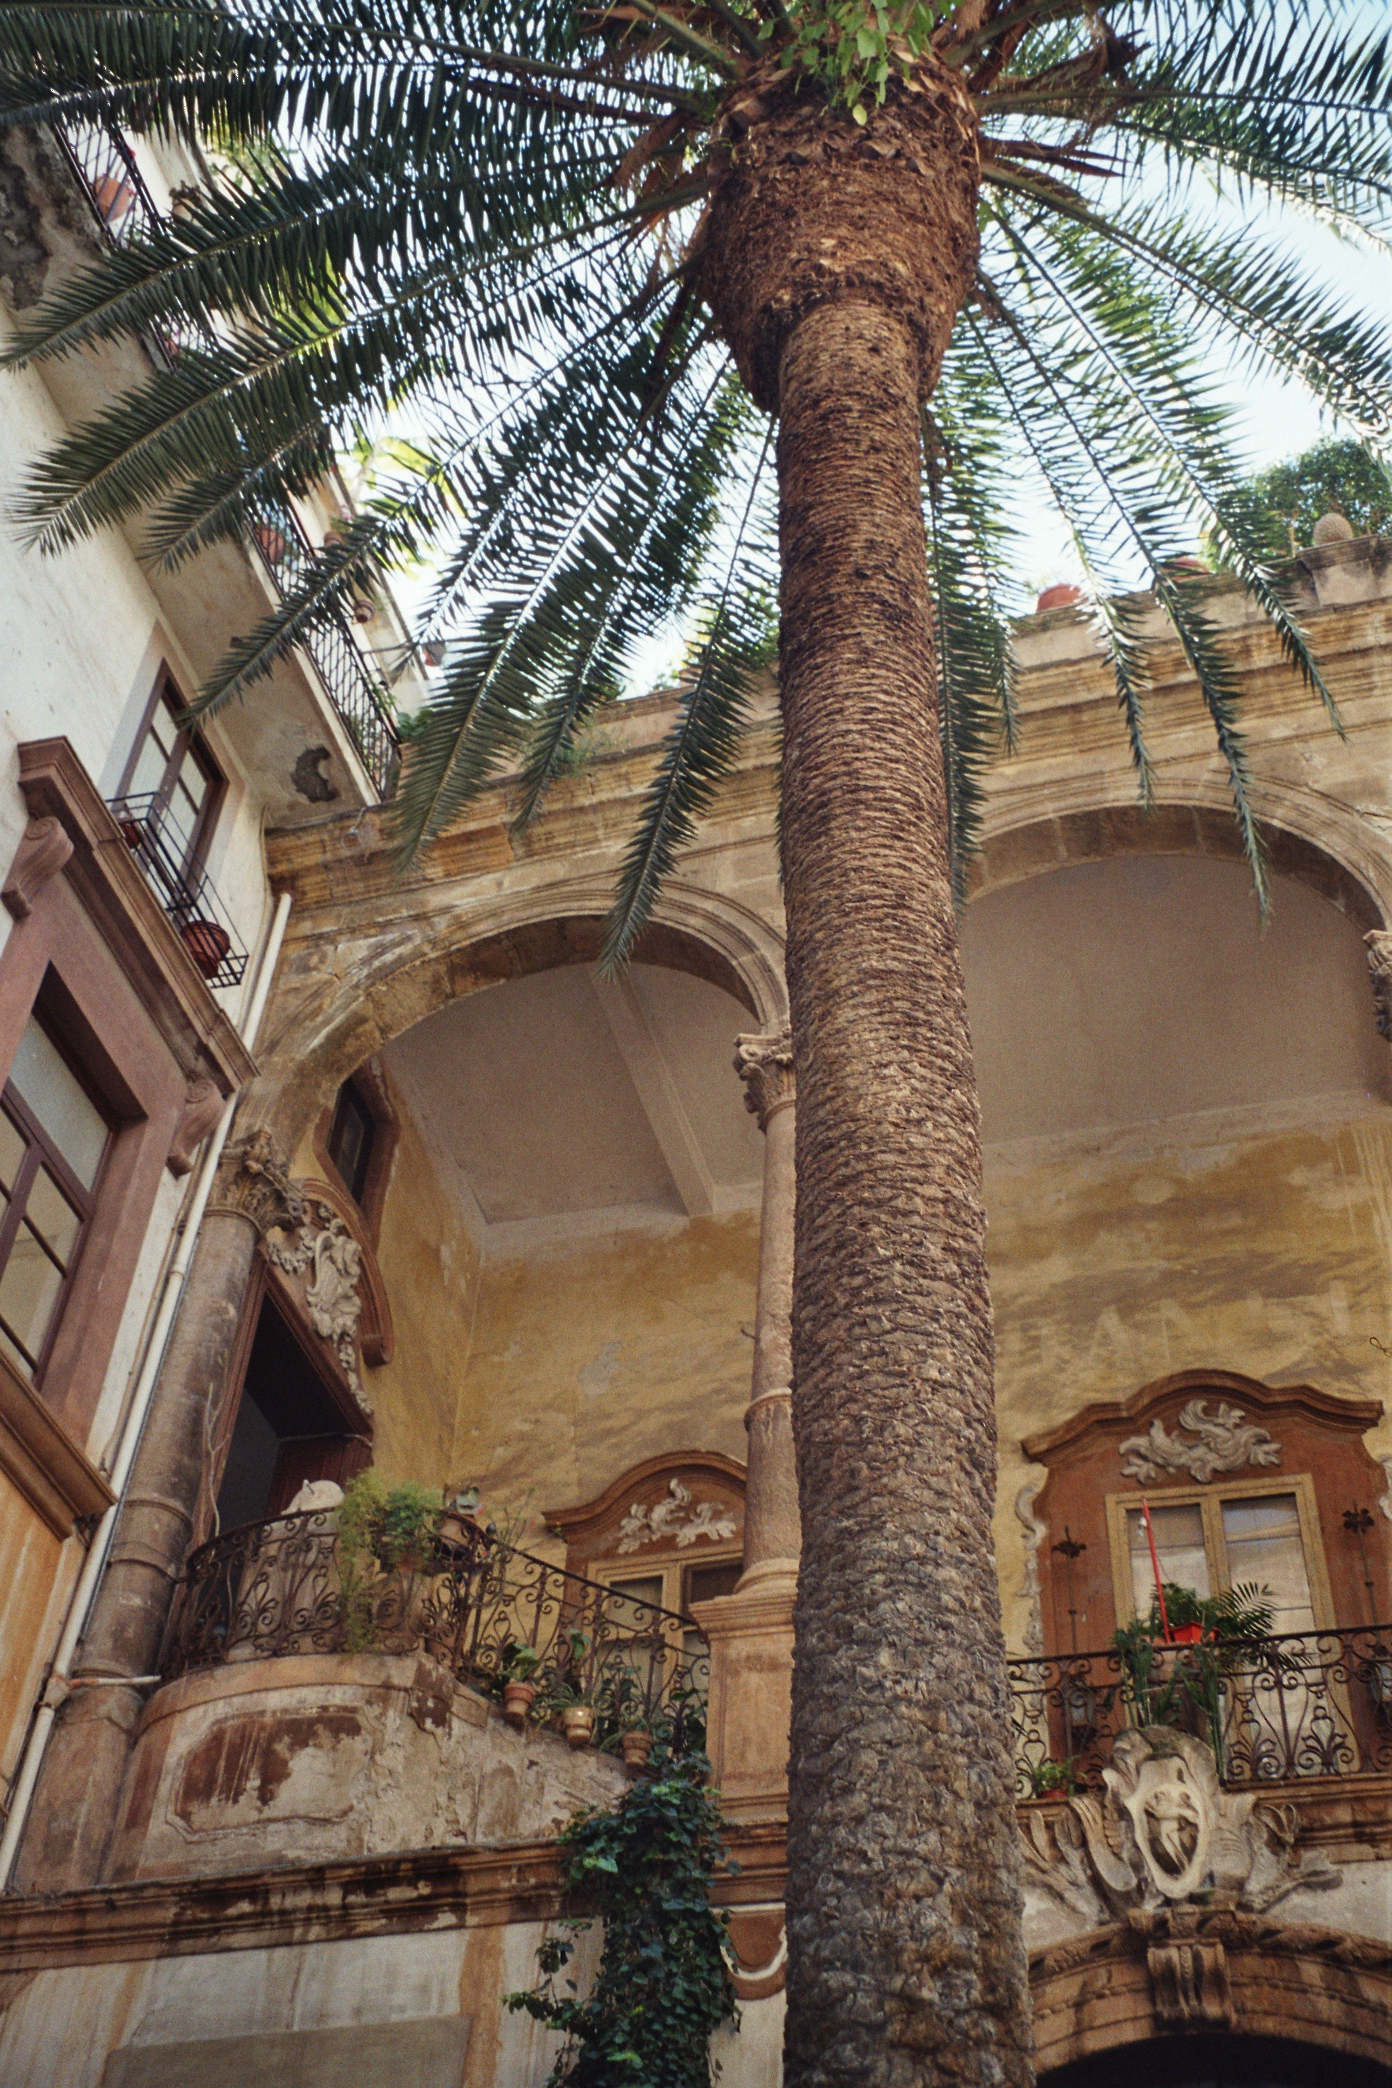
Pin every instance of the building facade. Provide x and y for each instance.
(418, 1191)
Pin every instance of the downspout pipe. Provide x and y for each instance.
(59, 1684)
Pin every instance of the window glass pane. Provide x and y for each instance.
(1179, 1539)
(60, 1102)
(645, 1590)
(350, 1140)
(28, 1293)
(12, 1151)
(150, 764)
(53, 1217)
(1265, 1548)
(706, 1583)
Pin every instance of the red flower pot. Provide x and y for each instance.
(207, 943)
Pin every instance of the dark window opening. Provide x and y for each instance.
(53, 1141)
(350, 1140)
(706, 1583)
(289, 1429)
(1219, 2061)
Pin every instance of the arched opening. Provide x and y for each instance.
(1219, 2061)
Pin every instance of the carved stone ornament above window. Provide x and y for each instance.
(1221, 1442)
(679, 1518)
(324, 1251)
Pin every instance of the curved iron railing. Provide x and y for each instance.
(488, 1612)
(1301, 1704)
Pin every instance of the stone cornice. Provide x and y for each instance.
(130, 920)
(400, 1894)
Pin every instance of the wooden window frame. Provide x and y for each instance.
(166, 693)
(42, 1152)
(669, 1570)
(1210, 1498)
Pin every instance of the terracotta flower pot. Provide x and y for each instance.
(635, 1747)
(517, 1702)
(207, 942)
(132, 832)
(577, 1723)
(1188, 1634)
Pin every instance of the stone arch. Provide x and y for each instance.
(1309, 838)
(1293, 1980)
(345, 992)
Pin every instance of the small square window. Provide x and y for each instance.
(351, 1136)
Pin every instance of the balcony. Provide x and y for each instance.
(108, 171)
(501, 1622)
(185, 891)
(1274, 1710)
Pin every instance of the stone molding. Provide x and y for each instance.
(203, 1112)
(43, 850)
(765, 1065)
(39, 1456)
(322, 1251)
(1222, 1442)
(1209, 1968)
(126, 914)
(376, 1330)
(253, 1182)
(485, 1886)
(1379, 945)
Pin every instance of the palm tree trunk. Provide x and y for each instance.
(836, 258)
(905, 1956)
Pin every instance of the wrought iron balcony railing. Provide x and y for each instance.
(1304, 1704)
(360, 698)
(123, 206)
(185, 891)
(487, 1612)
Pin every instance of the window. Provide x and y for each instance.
(288, 1428)
(175, 777)
(53, 1140)
(1255, 1533)
(350, 1140)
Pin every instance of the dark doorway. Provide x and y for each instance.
(1220, 2062)
(289, 1428)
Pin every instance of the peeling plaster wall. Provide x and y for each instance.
(588, 1359)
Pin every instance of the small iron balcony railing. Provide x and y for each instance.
(1302, 1704)
(360, 698)
(185, 891)
(107, 169)
(489, 1613)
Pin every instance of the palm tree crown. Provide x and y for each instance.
(486, 223)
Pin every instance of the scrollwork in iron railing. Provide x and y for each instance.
(1288, 1707)
(488, 1612)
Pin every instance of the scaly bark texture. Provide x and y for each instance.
(905, 1960)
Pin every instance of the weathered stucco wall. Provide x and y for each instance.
(588, 1359)
(1206, 1242)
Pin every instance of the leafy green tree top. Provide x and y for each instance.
(1342, 478)
(489, 222)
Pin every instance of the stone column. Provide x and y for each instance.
(772, 1536)
(751, 1632)
(75, 1804)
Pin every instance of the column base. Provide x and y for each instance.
(751, 1690)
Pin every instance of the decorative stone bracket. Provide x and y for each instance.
(1167, 1835)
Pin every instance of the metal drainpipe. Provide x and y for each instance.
(58, 1686)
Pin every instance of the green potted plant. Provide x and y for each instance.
(387, 1536)
(519, 1690)
(1048, 1777)
(1173, 1662)
(574, 1700)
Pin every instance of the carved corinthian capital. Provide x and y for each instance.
(253, 1182)
(1379, 945)
(765, 1065)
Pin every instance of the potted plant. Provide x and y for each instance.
(386, 1539)
(578, 1722)
(207, 942)
(1174, 1662)
(519, 1690)
(460, 1528)
(1048, 1777)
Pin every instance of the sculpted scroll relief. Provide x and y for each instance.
(676, 1517)
(1166, 1834)
(1223, 1442)
(324, 1251)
